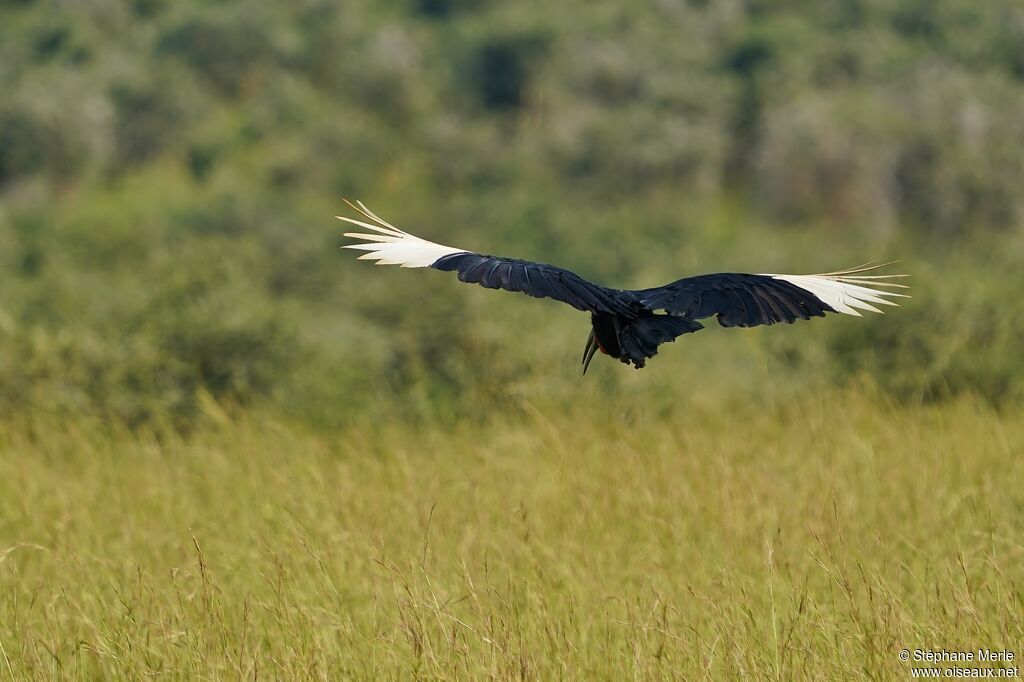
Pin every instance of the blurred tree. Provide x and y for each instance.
(230, 53)
(147, 119)
(500, 70)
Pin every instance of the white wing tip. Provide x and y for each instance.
(390, 245)
(850, 291)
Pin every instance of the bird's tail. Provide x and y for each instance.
(640, 339)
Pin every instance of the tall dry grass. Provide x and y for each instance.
(797, 539)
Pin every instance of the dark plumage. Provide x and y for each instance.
(630, 325)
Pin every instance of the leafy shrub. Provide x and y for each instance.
(500, 69)
(148, 119)
(230, 53)
(953, 338)
(444, 9)
(29, 145)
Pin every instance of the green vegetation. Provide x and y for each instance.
(228, 449)
(169, 173)
(800, 539)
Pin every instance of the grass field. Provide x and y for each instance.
(800, 540)
(229, 450)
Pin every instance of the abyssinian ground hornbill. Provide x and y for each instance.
(630, 325)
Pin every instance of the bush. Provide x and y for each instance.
(500, 70)
(30, 146)
(231, 54)
(148, 118)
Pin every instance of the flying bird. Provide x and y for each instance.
(629, 325)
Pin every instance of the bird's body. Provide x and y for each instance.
(629, 325)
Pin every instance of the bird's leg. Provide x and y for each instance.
(617, 325)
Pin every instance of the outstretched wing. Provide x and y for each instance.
(741, 300)
(389, 245)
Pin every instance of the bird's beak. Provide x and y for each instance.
(588, 352)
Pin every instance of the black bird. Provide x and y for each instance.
(630, 325)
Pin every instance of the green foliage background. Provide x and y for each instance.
(169, 173)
